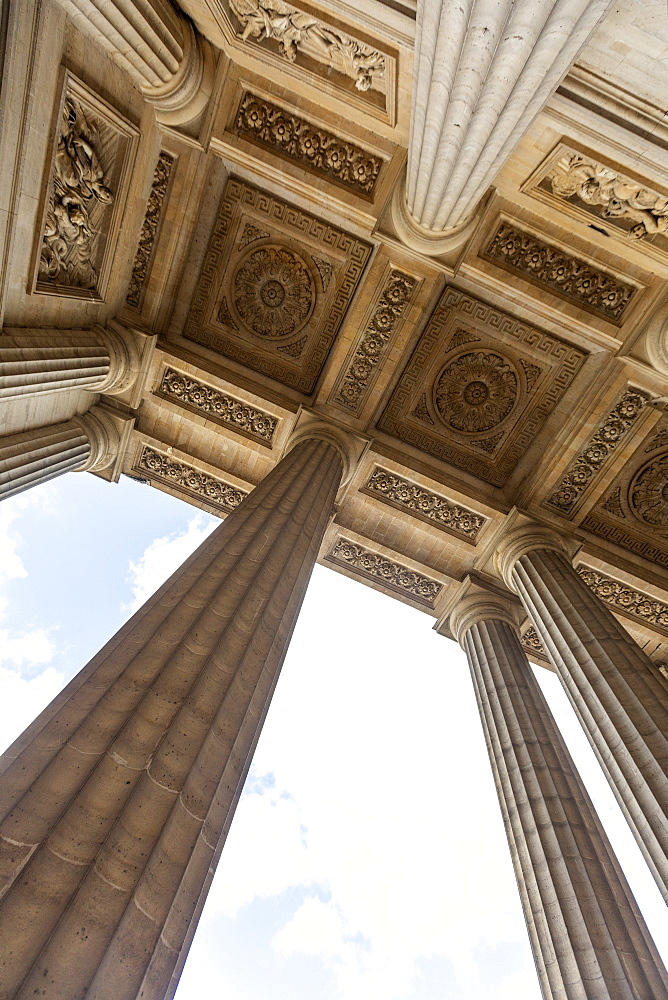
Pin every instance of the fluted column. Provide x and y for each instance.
(615, 689)
(156, 46)
(104, 359)
(483, 70)
(117, 797)
(87, 443)
(588, 937)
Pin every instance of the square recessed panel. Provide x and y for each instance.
(478, 387)
(275, 286)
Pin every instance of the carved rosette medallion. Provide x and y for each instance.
(475, 392)
(648, 493)
(273, 292)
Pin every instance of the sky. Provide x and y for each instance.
(367, 859)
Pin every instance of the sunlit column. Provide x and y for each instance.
(119, 795)
(156, 46)
(88, 442)
(483, 70)
(588, 938)
(617, 692)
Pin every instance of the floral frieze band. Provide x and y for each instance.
(186, 479)
(625, 600)
(217, 405)
(308, 145)
(149, 229)
(373, 345)
(606, 439)
(422, 503)
(531, 644)
(559, 272)
(390, 574)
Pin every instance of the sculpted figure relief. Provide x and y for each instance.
(295, 31)
(615, 196)
(68, 243)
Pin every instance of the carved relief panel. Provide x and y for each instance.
(84, 199)
(478, 387)
(275, 286)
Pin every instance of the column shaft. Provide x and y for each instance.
(45, 362)
(35, 456)
(588, 937)
(120, 795)
(616, 691)
(483, 71)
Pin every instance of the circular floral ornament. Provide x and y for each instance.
(475, 392)
(648, 493)
(273, 292)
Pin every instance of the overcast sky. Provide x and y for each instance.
(367, 859)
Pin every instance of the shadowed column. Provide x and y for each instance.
(617, 692)
(118, 795)
(588, 937)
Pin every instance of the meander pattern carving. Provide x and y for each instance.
(586, 286)
(185, 478)
(149, 229)
(424, 504)
(391, 574)
(309, 145)
(598, 449)
(216, 405)
(376, 339)
(626, 600)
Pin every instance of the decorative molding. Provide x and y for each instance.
(309, 145)
(386, 319)
(625, 600)
(298, 33)
(217, 405)
(561, 273)
(531, 644)
(186, 479)
(618, 534)
(250, 234)
(596, 452)
(648, 491)
(149, 230)
(273, 291)
(390, 574)
(420, 502)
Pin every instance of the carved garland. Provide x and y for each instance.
(625, 600)
(391, 574)
(386, 319)
(217, 405)
(606, 439)
(149, 229)
(422, 503)
(187, 479)
(312, 147)
(559, 272)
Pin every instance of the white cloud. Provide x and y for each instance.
(27, 649)
(163, 556)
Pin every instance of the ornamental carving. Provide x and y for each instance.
(184, 478)
(626, 600)
(273, 292)
(597, 451)
(422, 503)
(610, 194)
(308, 145)
(648, 493)
(390, 574)
(385, 320)
(219, 406)
(475, 392)
(298, 33)
(531, 644)
(80, 190)
(586, 286)
(149, 229)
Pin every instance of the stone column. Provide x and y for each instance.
(104, 359)
(88, 442)
(157, 47)
(118, 796)
(588, 937)
(615, 689)
(483, 70)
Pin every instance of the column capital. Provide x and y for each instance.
(108, 434)
(351, 447)
(433, 243)
(476, 601)
(520, 534)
